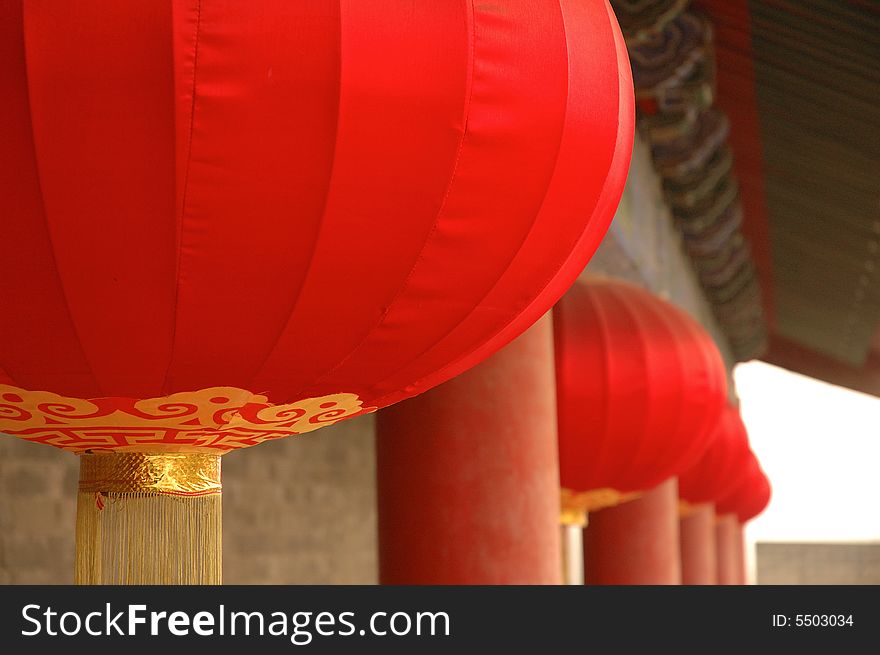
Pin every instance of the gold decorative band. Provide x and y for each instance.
(167, 474)
(212, 420)
(573, 517)
(593, 500)
(686, 509)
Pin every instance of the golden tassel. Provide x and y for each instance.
(148, 519)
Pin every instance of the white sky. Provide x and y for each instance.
(820, 447)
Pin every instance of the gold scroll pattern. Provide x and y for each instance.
(216, 420)
(574, 503)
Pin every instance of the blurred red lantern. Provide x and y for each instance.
(722, 467)
(639, 385)
(231, 222)
(750, 497)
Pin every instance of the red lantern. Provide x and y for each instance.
(721, 468)
(750, 497)
(231, 222)
(639, 385)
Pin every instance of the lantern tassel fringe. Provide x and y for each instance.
(130, 532)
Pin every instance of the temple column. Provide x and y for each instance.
(636, 542)
(699, 565)
(468, 474)
(727, 546)
(740, 553)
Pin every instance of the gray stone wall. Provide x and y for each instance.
(37, 513)
(818, 563)
(302, 510)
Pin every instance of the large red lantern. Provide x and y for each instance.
(639, 385)
(231, 222)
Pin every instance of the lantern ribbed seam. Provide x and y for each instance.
(180, 220)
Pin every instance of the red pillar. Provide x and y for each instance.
(468, 474)
(699, 565)
(741, 552)
(635, 542)
(727, 542)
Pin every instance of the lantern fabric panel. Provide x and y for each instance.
(639, 384)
